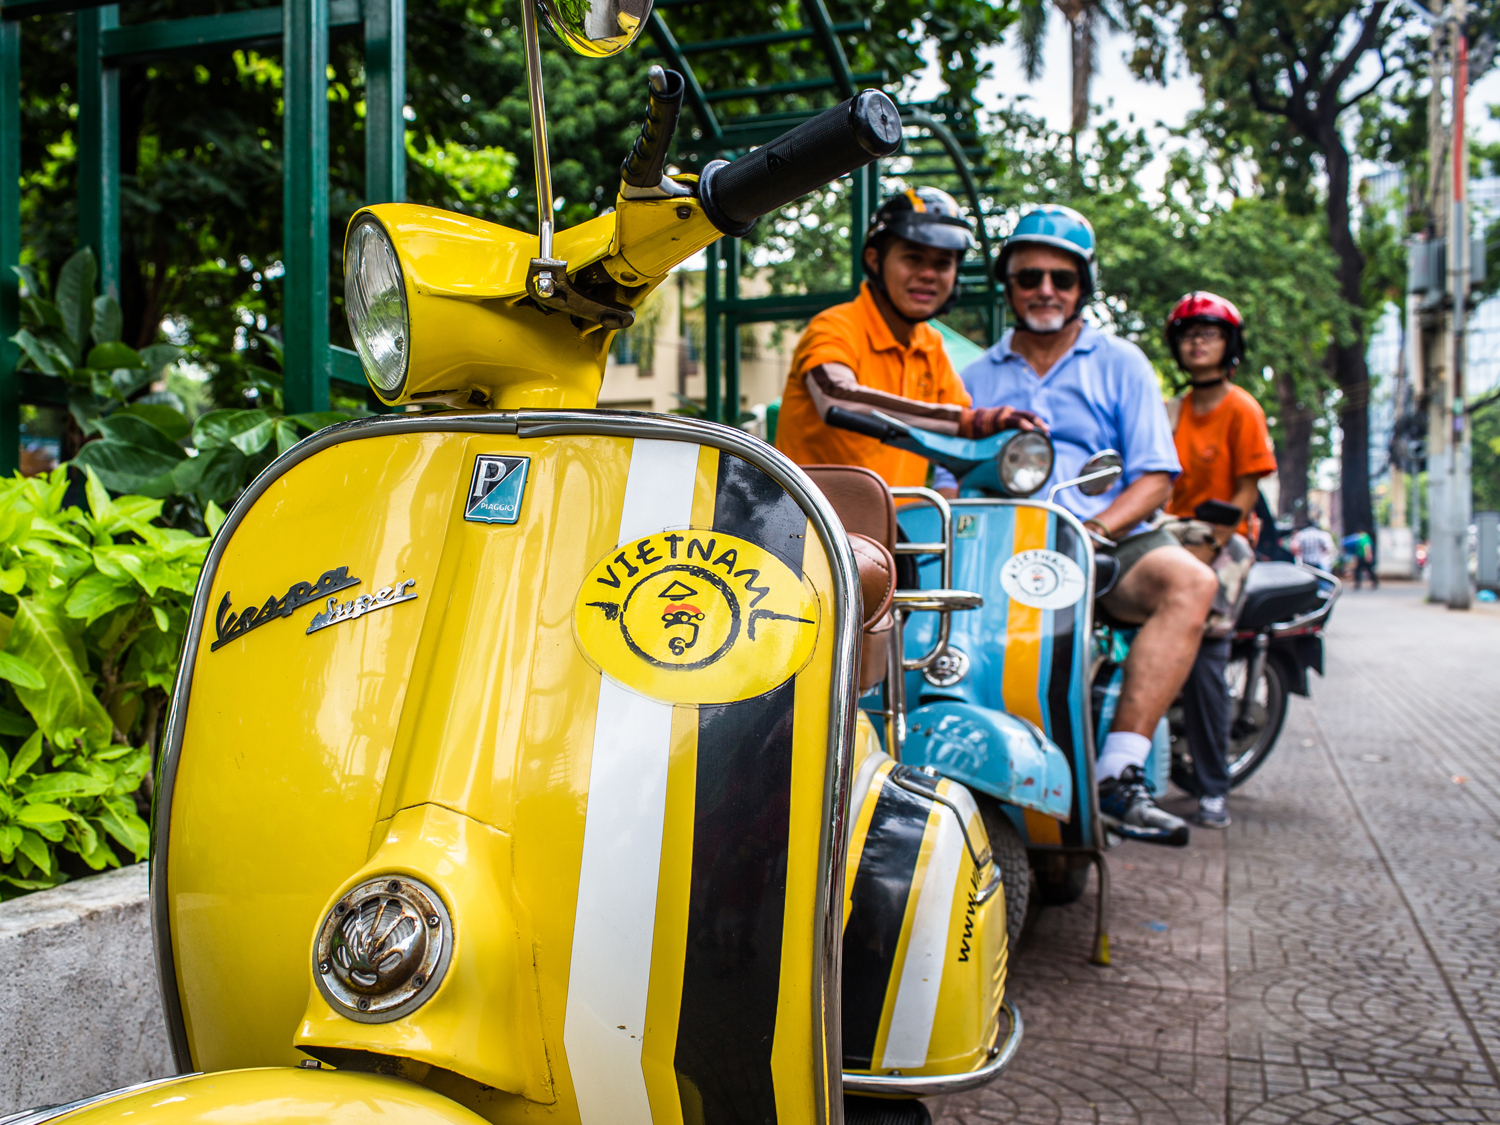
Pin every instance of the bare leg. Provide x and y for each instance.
(1171, 592)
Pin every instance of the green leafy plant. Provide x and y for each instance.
(74, 336)
(93, 609)
(146, 444)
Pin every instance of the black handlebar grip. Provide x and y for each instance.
(858, 423)
(817, 152)
(647, 161)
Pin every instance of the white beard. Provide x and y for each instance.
(1049, 320)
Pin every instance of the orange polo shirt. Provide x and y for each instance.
(1217, 448)
(856, 335)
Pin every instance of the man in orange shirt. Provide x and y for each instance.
(1225, 449)
(878, 353)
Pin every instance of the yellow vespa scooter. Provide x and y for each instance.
(514, 757)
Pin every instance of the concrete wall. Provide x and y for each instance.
(79, 1008)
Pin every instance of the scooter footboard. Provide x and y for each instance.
(991, 751)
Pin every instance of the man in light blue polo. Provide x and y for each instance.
(1096, 392)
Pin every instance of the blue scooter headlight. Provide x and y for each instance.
(1025, 463)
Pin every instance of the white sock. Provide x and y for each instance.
(1121, 748)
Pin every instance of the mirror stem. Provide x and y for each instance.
(538, 129)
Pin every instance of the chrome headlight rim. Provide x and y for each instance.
(1012, 463)
(388, 380)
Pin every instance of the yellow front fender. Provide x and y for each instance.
(270, 1096)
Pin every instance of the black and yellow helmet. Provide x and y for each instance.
(926, 216)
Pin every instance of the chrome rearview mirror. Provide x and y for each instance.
(1096, 477)
(595, 28)
(1100, 472)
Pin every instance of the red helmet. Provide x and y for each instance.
(1207, 308)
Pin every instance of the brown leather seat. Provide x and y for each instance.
(864, 506)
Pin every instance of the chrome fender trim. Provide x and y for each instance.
(933, 1085)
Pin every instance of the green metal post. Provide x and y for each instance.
(99, 146)
(10, 243)
(864, 197)
(305, 196)
(711, 321)
(385, 101)
(731, 404)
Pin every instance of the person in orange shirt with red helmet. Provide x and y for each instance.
(1225, 448)
(877, 352)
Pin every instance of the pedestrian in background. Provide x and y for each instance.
(1361, 548)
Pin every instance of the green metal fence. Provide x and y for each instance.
(302, 28)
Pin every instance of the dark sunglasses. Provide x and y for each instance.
(1062, 280)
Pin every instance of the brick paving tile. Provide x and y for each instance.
(1334, 957)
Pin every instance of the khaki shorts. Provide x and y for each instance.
(1129, 551)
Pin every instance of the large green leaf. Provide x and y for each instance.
(107, 320)
(97, 594)
(66, 700)
(133, 429)
(113, 354)
(125, 467)
(19, 672)
(62, 786)
(75, 299)
(222, 475)
(48, 358)
(125, 826)
(165, 418)
(158, 356)
(126, 381)
(228, 427)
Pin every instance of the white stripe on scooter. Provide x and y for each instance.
(922, 971)
(610, 972)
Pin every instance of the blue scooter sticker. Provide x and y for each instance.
(496, 489)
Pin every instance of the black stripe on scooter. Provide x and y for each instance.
(876, 912)
(737, 904)
(1064, 625)
(751, 505)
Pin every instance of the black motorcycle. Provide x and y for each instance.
(1278, 637)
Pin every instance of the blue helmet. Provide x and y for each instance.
(1061, 228)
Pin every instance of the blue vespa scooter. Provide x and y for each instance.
(1008, 696)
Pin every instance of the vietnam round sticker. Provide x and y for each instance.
(1043, 579)
(693, 616)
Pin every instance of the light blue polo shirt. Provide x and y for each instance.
(1101, 395)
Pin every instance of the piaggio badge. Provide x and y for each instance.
(496, 489)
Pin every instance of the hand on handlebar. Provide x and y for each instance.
(987, 420)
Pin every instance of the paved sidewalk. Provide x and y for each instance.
(1335, 955)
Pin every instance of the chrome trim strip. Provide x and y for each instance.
(828, 924)
(989, 889)
(935, 1085)
(51, 1112)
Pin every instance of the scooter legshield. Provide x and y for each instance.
(992, 752)
(509, 754)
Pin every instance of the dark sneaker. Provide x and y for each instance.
(1128, 808)
(1213, 812)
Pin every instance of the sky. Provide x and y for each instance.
(1118, 94)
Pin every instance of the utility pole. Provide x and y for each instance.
(1449, 486)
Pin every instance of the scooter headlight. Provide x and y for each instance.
(1026, 463)
(375, 299)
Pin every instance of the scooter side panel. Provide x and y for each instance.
(644, 861)
(924, 960)
(1027, 658)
